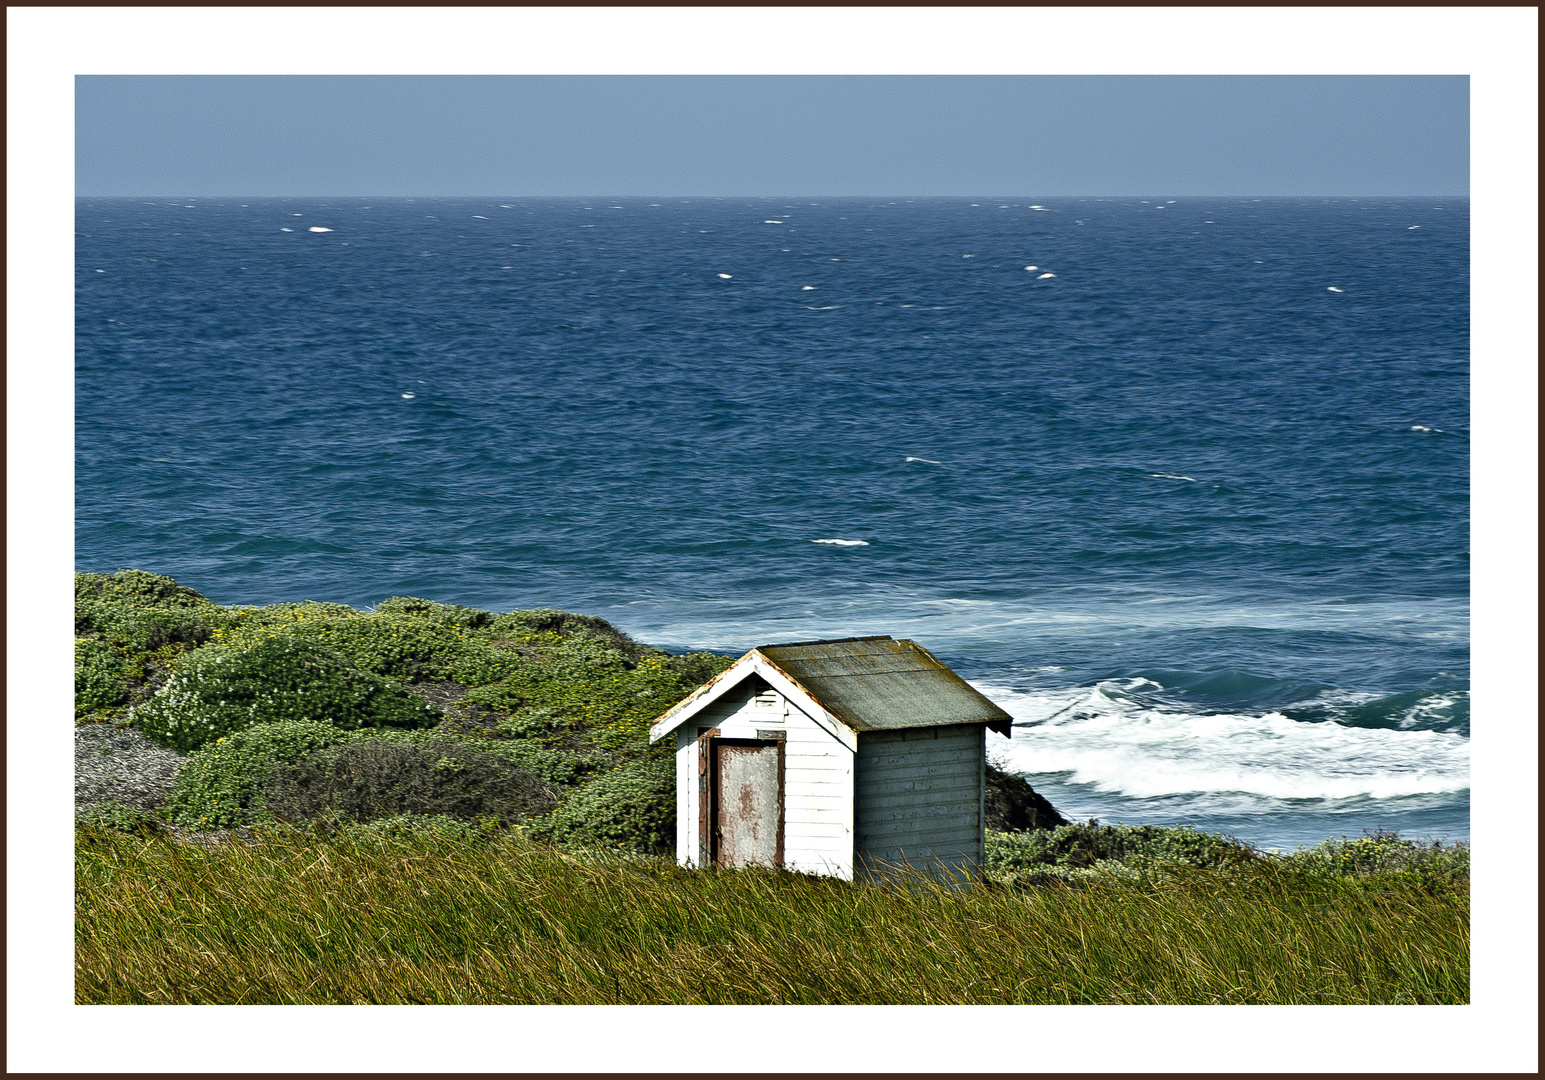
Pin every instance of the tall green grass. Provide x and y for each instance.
(400, 912)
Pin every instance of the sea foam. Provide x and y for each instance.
(1099, 737)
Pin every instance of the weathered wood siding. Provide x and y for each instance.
(817, 779)
(919, 795)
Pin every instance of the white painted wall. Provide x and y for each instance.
(817, 779)
(919, 796)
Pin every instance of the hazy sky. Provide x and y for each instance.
(916, 135)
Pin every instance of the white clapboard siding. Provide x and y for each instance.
(817, 799)
(919, 796)
(882, 753)
(817, 780)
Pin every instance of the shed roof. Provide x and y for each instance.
(869, 684)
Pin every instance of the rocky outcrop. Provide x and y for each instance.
(1013, 805)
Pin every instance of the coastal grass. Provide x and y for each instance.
(440, 912)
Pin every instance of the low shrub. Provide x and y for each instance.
(139, 588)
(100, 681)
(582, 636)
(1382, 853)
(453, 614)
(368, 780)
(560, 767)
(221, 689)
(221, 784)
(1072, 852)
(612, 704)
(632, 808)
(141, 611)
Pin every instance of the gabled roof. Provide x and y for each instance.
(865, 684)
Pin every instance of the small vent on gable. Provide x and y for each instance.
(768, 700)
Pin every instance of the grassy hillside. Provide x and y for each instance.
(450, 805)
(440, 912)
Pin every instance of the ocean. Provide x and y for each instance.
(1181, 483)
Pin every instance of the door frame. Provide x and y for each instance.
(708, 793)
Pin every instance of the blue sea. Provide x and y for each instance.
(1181, 483)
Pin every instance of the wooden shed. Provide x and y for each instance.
(832, 757)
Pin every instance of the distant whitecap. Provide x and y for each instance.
(1037, 206)
(1332, 288)
(1043, 277)
(297, 215)
(726, 277)
(770, 221)
(409, 397)
(807, 288)
(843, 543)
(968, 256)
(1171, 476)
(319, 228)
(1032, 268)
(479, 217)
(1425, 428)
(1410, 227)
(101, 271)
(285, 228)
(930, 461)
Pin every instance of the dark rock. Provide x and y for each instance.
(1013, 805)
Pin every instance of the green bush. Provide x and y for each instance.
(580, 632)
(221, 689)
(1384, 854)
(632, 808)
(391, 643)
(1072, 852)
(368, 780)
(564, 768)
(454, 614)
(141, 611)
(220, 785)
(142, 629)
(139, 588)
(612, 703)
(100, 681)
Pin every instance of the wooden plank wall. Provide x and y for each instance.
(919, 797)
(818, 780)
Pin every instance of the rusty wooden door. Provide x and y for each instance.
(748, 802)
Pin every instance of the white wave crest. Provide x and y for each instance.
(1171, 476)
(843, 543)
(1099, 737)
(319, 228)
(930, 461)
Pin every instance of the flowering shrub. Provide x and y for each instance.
(218, 690)
(1385, 854)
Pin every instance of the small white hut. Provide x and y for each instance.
(830, 757)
